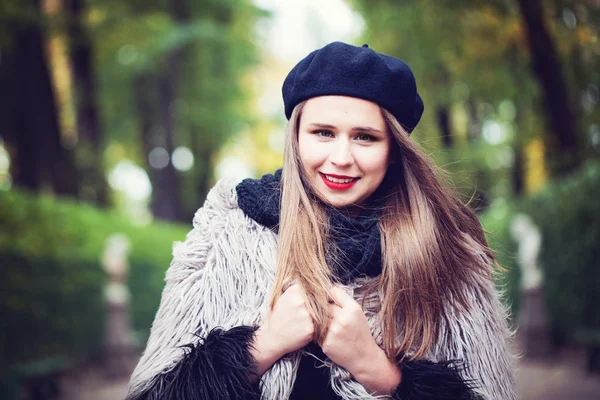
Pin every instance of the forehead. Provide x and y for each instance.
(342, 111)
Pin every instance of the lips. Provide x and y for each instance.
(338, 182)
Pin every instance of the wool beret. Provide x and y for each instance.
(347, 70)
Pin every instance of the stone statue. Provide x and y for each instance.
(533, 331)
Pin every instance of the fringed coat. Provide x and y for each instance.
(218, 290)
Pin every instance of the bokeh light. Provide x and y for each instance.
(158, 158)
(131, 180)
(182, 159)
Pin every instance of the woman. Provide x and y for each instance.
(352, 274)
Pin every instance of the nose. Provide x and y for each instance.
(341, 155)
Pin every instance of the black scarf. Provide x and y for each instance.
(355, 245)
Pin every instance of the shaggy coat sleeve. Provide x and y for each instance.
(428, 380)
(218, 367)
(479, 339)
(199, 342)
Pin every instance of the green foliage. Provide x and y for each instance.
(51, 280)
(214, 45)
(567, 212)
(496, 222)
(469, 60)
(48, 307)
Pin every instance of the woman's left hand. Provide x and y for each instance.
(349, 344)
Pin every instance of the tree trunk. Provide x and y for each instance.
(89, 131)
(167, 203)
(144, 104)
(151, 135)
(564, 150)
(203, 165)
(443, 120)
(39, 160)
(518, 179)
(523, 110)
(24, 165)
(150, 92)
(155, 94)
(474, 127)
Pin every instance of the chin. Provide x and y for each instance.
(339, 203)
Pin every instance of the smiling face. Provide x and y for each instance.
(345, 148)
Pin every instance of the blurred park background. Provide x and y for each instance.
(116, 118)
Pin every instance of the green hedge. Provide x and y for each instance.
(48, 307)
(567, 212)
(51, 280)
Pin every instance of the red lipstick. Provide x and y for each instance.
(338, 185)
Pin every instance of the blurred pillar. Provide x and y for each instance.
(533, 333)
(118, 343)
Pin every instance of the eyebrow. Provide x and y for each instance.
(356, 128)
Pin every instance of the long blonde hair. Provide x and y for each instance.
(430, 243)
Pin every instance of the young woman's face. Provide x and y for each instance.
(345, 148)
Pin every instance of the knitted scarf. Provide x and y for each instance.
(353, 245)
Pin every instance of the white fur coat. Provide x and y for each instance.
(221, 276)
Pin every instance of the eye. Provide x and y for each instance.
(323, 133)
(364, 137)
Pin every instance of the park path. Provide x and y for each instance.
(562, 378)
(543, 381)
(535, 381)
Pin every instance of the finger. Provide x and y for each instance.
(295, 291)
(340, 297)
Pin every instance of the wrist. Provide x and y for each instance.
(264, 350)
(381, 376)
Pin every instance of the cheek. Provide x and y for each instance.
(305, 151)
(312, 153)
(375, 164)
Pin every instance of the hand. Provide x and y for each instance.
(287, 328)
(349, 344)
(348, 340)
(289, 325)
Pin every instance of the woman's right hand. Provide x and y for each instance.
(287, 328)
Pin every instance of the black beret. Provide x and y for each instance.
(346, 70)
